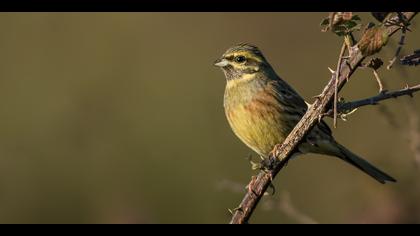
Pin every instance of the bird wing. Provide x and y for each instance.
(295, 103)
(289, 97)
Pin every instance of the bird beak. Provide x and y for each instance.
(221, 62)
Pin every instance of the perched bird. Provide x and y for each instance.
(262, 109)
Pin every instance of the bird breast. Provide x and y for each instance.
(255, 115)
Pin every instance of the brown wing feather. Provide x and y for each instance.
(295, 103)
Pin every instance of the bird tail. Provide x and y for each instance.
(362, 164)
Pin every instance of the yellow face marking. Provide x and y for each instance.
(245, 78)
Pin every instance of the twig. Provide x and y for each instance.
(283, 152)
(378, 79)
(375, 64)
(401, 20)
(412, 59)
(337, 75)
(349, 106)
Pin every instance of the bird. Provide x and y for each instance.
(262, 109)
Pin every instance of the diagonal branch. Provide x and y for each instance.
(283, 152)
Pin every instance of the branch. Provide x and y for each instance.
(412, 59)
(349, 106)
(283, 152)
(400, 44)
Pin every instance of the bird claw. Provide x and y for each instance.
(273, 189)
(268, 163)
(254, 165)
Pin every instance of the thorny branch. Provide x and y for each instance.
(384, 95)
(402, 39)
(412, 59)
(282, 153)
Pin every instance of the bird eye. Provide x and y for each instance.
(240, 59)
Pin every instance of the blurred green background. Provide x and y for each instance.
(118, 118)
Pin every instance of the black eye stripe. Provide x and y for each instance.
(240, 59)
(249, 61)
(229, 58)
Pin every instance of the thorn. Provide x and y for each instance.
(331, 70)
(232, 211)
(317, 96)
(320, 116)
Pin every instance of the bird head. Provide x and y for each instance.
(242, 59)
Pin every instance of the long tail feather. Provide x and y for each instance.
(363, 165)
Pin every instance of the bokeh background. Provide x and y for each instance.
(118, 118)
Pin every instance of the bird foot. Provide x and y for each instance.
(269, 163)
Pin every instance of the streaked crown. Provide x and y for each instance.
(244, 49)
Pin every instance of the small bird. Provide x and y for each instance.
(262, 109)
